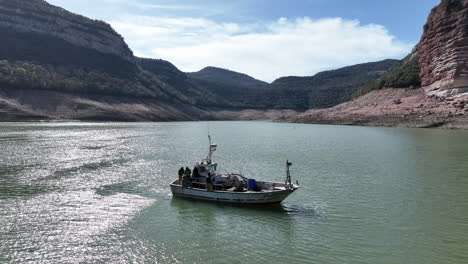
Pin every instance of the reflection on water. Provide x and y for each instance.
(65, 227)
(98, 193)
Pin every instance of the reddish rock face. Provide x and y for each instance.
(444, 49)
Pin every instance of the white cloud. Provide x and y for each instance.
(302, 46)
(155, 6)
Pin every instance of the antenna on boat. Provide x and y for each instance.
(288, 174)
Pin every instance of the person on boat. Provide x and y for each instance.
(181, 174)
(186, 180)
(188, 172)
(195, 173)
(209, 183)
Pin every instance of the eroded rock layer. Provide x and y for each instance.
(444, 49)
(37, 16)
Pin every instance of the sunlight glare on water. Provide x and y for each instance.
(98, 193)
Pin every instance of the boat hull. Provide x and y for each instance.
(249, 197)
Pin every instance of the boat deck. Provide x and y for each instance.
(221, 188)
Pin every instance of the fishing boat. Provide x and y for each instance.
(205, 183)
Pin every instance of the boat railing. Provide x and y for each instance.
(199, 184)
(202, 185)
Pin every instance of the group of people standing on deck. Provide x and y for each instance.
(186, 176)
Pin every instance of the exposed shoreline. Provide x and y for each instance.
(40, 105)
(382, 108)
(394, 108)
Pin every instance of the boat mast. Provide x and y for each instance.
(211, 150)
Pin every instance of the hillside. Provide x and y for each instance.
(196, 94)
(47, 48)
(403, 75)
(330, 88)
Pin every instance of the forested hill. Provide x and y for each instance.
(333, 87)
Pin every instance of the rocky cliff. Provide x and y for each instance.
(440, 60)
(443, 49)
(40, 17)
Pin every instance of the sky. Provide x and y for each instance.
(266, 39)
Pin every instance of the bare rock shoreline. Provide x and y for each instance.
(34, 105)
(39, 105)
(395, 108)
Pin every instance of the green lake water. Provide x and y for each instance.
(98, 193)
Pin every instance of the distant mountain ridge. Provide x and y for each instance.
(215, 74)
(321, 90)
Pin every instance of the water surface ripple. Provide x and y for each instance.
(98, 193)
